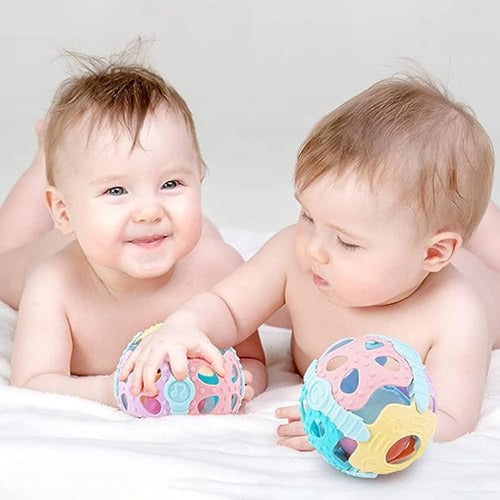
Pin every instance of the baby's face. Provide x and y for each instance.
(136, 211)
(360, 248)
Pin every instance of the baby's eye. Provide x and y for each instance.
(171, 184)
(116, 191)
(304, 216)
(346, 246)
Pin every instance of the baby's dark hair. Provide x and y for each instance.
(409, 134)
(118, 94)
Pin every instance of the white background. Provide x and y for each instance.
(256, 74)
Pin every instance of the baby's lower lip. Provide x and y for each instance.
(149, 242)
(319, 281)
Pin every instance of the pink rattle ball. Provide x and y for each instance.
(202, 392)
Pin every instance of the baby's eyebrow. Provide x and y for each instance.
(108, 179)
(346, 233)
(167, 172)
(333, 226)
(179, 170)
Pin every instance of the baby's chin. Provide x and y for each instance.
(147, 273)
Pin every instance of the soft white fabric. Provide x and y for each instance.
(54, 446)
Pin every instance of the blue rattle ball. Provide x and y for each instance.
(368, 406)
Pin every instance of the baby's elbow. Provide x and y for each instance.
(450, 428)
(17, 381)
(23, 380)
(445, 434)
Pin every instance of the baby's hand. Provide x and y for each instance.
(292, 433)
(249, 390)
(172, 342)
(255, 373)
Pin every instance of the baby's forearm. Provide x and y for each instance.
(98, 388)
(209, 313)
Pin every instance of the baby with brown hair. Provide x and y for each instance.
(391, 185)
(124, 174)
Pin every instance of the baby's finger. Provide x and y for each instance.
(178, 362)
(289, 412)
(248, 377)
(150, 370)
(130, 363)
(128, 366)
(137, 374)
(292, 429)
(249, 393)
(209, 352)
(299, 443)
(149, 374)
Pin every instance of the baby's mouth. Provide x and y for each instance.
(149, 241)
(319, 281)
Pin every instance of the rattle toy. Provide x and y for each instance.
(201, 392)
(368, 406)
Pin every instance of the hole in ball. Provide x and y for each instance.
(234, 377)
(350, 382)
(207, 375)
(335, 363)
(402, 450)
(373, 344)
(151, 405)
(234, 400)
(208, 404)
(389, 363)
(317, 428)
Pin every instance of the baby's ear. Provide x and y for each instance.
(58, 210)
(441, 249)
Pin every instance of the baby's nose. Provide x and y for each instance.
(147, 211)
(316, 250)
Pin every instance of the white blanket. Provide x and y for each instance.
(54, 446)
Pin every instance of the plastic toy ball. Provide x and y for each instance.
(201, 392)
(368, 405)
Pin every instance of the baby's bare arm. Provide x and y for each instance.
(458, 364)
(253, 360)
(41, 355)
(224, 316)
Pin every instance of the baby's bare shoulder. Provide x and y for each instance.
(281, 247)
(219, 253)
(210, 260)
(218, 259)
(59, 271)
(453, 303)
(451, 288)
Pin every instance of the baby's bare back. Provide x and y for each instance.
(486, 281)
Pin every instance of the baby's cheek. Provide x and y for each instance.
(357, 288)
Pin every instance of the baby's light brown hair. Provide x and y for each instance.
(409, 134)
(118, 94)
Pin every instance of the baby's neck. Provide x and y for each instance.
(121, 286)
